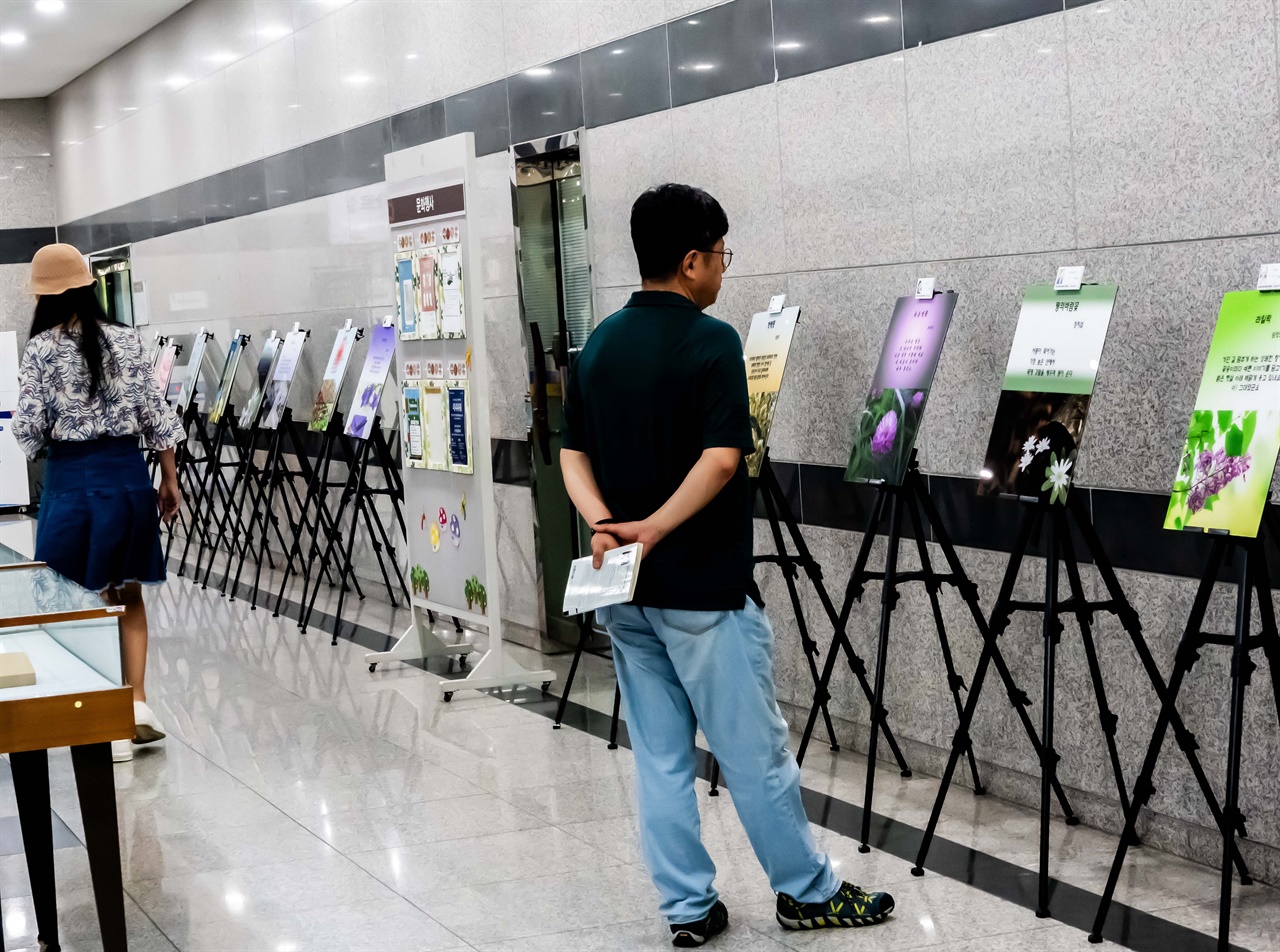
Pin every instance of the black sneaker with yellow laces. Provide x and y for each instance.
(690, 935)
(852, 906)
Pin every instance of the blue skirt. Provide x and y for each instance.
(99, 524)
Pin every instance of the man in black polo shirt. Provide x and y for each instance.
(657, 426)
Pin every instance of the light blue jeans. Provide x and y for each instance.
(680, 670)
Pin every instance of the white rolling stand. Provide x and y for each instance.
(450, 514)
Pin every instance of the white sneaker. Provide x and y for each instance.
(147, 729)
(121, 751)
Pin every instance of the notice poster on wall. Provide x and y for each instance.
(331, 384)
(406, 297)
(373, 377)
(411, 426)
(1230, 451)
(227, 379)
(425, 280)
(266, 362)
(1045, 396)
(768, 343)
(884, 433)
(282, 377)
(459, 411)
(449, 292)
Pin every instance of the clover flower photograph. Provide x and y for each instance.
(884, 435)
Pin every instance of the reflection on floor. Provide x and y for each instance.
(302, 803)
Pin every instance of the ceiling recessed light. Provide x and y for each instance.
(539, 71)
(410, 55)
(274, 31)
(551, 112)
(789, 45)
(295, 105)
(703, 67)
(12, 38)
(177, 81)
(359, 79)
(221, 57)
(617, 52)
(692, 22)
(878, 18)
(128, 108)
(50, 7)
(614, 95)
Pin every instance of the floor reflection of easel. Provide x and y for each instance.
(1253, 578)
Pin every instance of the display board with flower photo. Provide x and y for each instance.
(884, 434)
(1044, 402)
(1225, 469)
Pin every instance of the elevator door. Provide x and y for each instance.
(557, 314)
(113, 284)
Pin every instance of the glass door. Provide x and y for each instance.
(557, 316)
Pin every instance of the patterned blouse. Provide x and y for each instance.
(53, 393)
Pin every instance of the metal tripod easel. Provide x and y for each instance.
(1248, 557)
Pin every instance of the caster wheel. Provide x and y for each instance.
(448, 696)
(373, 667)
(546, 686)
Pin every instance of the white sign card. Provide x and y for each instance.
(614, 583)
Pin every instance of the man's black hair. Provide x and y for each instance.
(668, 221)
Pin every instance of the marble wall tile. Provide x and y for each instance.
(726, 146)
(24, 127)
(681, 8)
(362, 62)
(990, 142)
(321, 95)
(967, 385)
(15, 303)
(247, 135)
(406, 37)
(464, 46)
(26, 191)
(846, 172)
(843, 318)
(601, 20)
(609, 300)
(1192, 149)
(538, 31)
(522, 599)
(1157, 343)
(492, 214)
(508, 369)
(620, 162)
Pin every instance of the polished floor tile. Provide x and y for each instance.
(301, 802)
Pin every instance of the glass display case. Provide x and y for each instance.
(71, 639)
(61, 686)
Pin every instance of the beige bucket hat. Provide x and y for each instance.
(57, 268)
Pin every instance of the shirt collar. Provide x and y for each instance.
(661, 299)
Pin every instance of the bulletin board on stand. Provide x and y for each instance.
(443, 395)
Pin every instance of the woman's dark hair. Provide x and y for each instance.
(669, 221)
(55, 309)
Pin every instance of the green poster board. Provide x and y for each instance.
(1229, 454)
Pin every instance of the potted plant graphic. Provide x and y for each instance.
(420, 581)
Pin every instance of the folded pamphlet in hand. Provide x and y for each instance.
(612, 584)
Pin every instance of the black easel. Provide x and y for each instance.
(187, 467)
(263, 517)
(360, 496)
(911, 497)
(1248, 556)
(244, 479)
(211, 481)
(1059, 552)
(318, 495)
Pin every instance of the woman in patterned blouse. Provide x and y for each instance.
(87, 393)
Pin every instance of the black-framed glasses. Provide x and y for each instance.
(726, 256)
